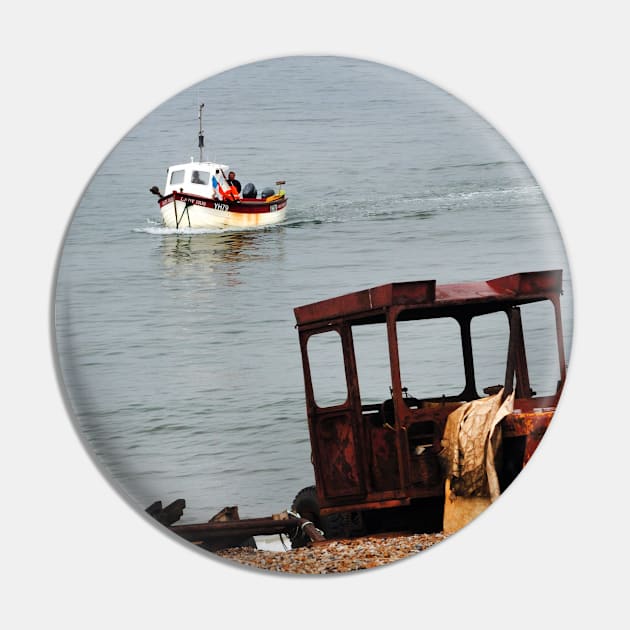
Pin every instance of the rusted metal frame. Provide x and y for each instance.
(354, 396)
(308, 382)
(402, 412)
(310, 406)
(555, 300)
(470, 388)
(354, 403)
(351, 408)
(522, 287)
(510, 368)
(516, 367)
(523, 388)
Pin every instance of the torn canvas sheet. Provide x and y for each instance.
(470, 443)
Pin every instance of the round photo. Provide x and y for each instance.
(312, 315)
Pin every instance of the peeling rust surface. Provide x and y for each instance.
(339, 467)
(523, 424)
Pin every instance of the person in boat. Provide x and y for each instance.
(227, 191)
(232, 181)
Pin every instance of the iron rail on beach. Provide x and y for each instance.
(226, 529)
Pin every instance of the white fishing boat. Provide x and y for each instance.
(198, 194)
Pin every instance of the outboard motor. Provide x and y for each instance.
(267, 192)
(249, 191)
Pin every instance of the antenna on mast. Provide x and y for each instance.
(200, 135)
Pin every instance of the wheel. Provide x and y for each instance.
(306, 503)
(337, 525)
(307, 506)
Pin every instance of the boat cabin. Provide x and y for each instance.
(193, 177)
(384, 367)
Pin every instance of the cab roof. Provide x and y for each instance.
(425, 298)
(206, 166)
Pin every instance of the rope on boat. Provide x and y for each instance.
(185, 210)
(175, 211)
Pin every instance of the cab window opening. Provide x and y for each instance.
(177, 177)
(326, 363)
(371, 351)
(200, 177)
(430, 357)
(541, 346)
(490, 337)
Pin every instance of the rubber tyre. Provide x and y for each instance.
(337, 525)
(307, 506)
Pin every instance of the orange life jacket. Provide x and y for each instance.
(230, 193)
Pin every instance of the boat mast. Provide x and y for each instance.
(200, 135)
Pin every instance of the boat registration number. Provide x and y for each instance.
(221, 206)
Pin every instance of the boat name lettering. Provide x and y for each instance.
(221, 206)
(193, 202)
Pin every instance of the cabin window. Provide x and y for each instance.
(372, 358)
(431, 357)
(490, 336)
(200, 177)
(328, 375)
(541, 346)
(177, 177)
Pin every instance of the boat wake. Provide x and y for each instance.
(422, 206)
(157, 229)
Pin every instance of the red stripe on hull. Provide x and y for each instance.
(244, 206)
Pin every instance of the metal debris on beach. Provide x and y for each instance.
(335, 556)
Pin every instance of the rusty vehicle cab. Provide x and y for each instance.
(384, 367)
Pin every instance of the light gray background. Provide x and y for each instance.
(553, 83)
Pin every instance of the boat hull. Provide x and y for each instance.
(183, 210)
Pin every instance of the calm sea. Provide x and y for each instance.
(177, 350)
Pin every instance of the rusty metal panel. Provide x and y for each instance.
(338, 462)
(533, 440)
(519, 424)
(383, 458)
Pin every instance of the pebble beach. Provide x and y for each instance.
(335, 556)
